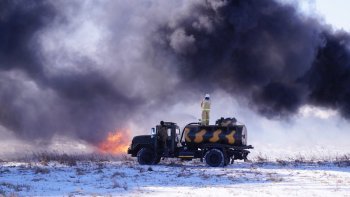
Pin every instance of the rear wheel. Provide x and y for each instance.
(215, 158)
(146, 156)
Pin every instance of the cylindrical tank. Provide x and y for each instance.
(235, 135)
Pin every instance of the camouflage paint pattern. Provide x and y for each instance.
(232, 135)
(187, 130)
(199, 136)
(215, 137)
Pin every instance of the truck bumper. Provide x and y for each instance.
(129, 150)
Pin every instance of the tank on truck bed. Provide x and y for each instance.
(235, 135)
(218, 144)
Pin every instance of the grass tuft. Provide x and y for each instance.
(79, 171)
(16, 188)
(39, 170)
(116, 184)
(343, 161)
(118, 174)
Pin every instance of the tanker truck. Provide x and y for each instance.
(219, 144)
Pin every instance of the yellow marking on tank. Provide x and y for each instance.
(199, 136)
(230, 137)
(215, 137)
(187, 131)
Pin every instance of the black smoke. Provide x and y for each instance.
(264, 51)
(19, 23)
(328, 79)
(36, 103)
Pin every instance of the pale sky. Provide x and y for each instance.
(336, 12)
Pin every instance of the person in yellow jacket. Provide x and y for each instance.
(205, 109)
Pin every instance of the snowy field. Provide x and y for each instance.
(174, 178)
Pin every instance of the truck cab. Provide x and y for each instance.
(146, 146)
(173, 139)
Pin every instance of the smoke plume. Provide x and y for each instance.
(263, 51)
(83, 68)
(38, 97)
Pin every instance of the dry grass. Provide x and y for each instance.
(44, 158)
(116, 184)
(118, 175)
(16, 188)
(301, 160)
(261, 159)
(127, 158)
(25, 167)
(39, 170)
(282, 162)
(80, 171)
(185, 172)
(204, 175)
(4, 171)
(343, 161)
(38, 179)
(141, 170)
(100, 167)
(175, 163)
(273, 177)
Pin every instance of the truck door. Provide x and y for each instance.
(172, 137)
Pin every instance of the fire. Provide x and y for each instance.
(117, 142)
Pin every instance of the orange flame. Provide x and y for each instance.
(117, 142)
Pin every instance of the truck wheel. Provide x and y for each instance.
(157, 160)
(215, 158)
(146, 157)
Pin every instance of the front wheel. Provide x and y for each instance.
(157, 160)
(215, 158)
(146, 156)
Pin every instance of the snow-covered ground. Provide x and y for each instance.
(174, 178)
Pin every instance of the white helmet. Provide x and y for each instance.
(207, 96)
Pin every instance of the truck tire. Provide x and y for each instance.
(146, 156)
(157, 160)
(215, 158)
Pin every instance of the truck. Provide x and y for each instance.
(219, 145)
